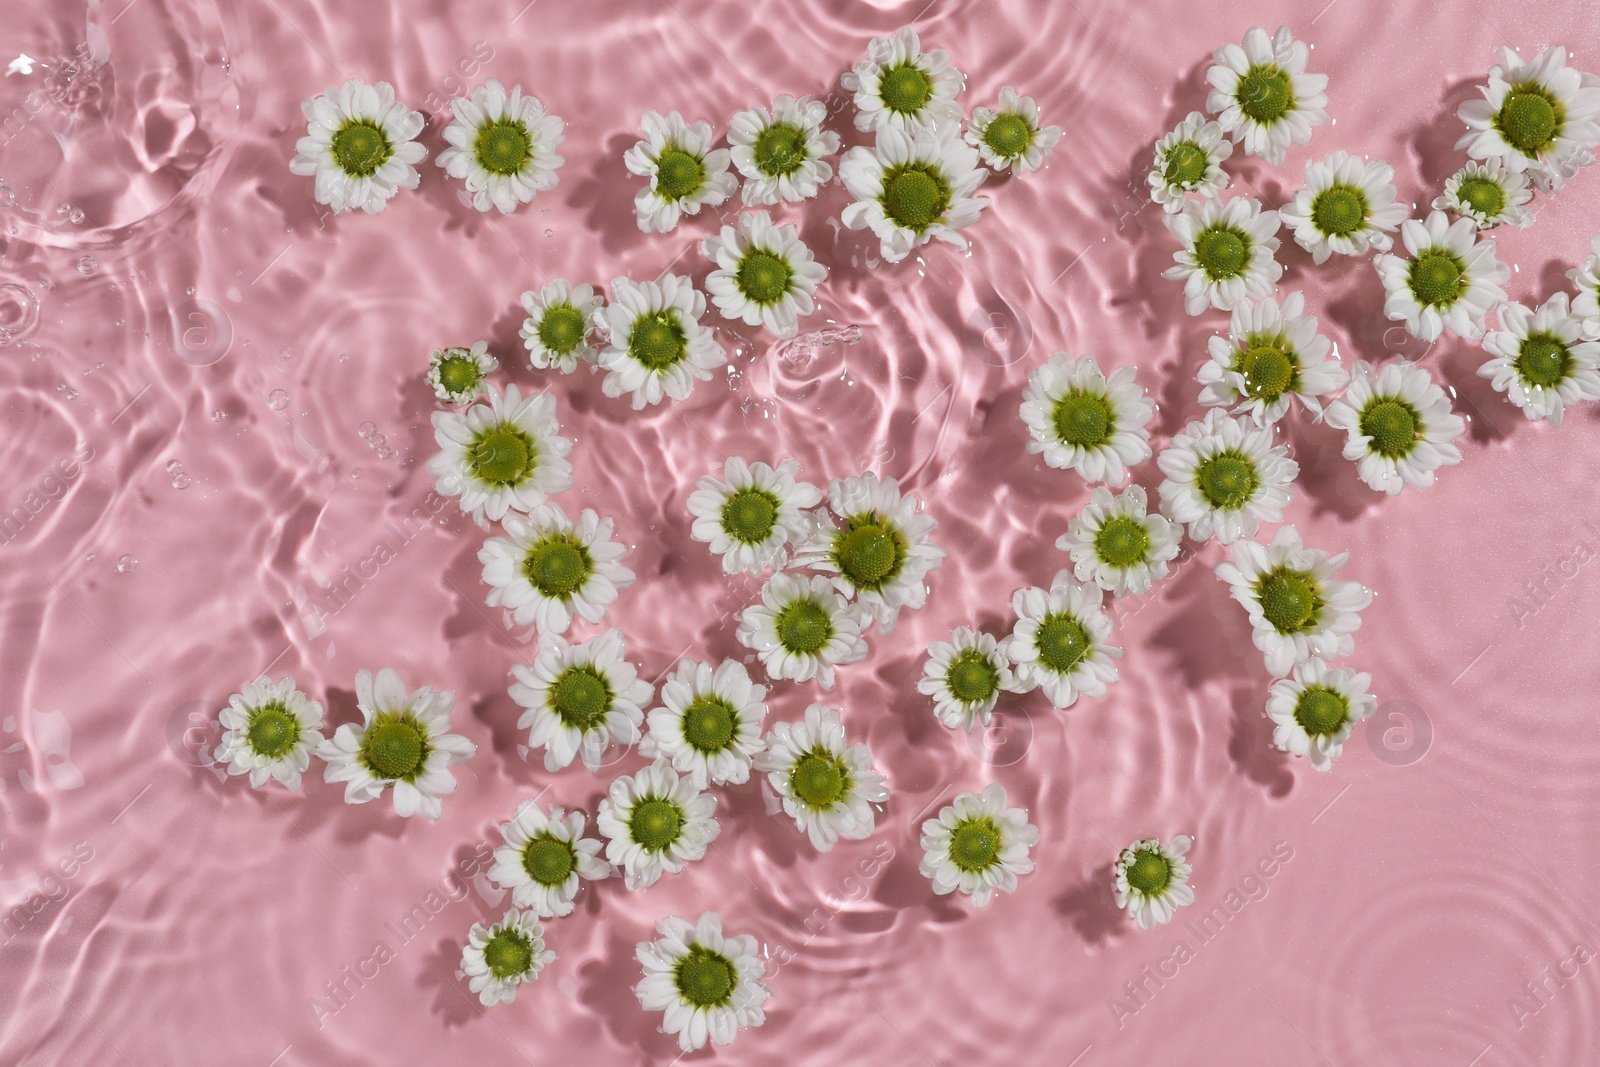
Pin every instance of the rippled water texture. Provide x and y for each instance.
(212, 391)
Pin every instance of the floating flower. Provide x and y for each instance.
(1270, 355)
(705, 984)
(1586, 305)
(1538, 117)
(915, 185)
(548, 569)
(654, 823)
(1059, 641)
(965, 677)
(827, 787)
(504, 454)
(504, 146)
(1010, 137)
(1189, 160)
(765, 274)
(545, 859)
(751, 513)
(1314, 711)
(1399, 424)
(401, 743)
(1542, 362)
(360, 145)
(899, 86)
(1262, 95)
(685, 174)
(1451, 280)
(556, 331)
(269, 731)
(1152, 879)
(1116, 544)
(1488, 194)
(579, 698)
(780, 154)
(1347, 206)
(978, 845)
(1228, 253)
(802, 629)
(658, 345)
(709, 724)
(459, 375)
(501, 957)
(1224, 477)
(1079, 419)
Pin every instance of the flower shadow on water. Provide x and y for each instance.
(451, 1001)
(1328, 480)
(606, 196)
(1208, 638)
(1434, 142)
(1250, 744)
(606, 988)
(1092, 908)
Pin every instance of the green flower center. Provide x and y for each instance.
(549, 860)
(763, 277)
(1290, 600)
(975, 845)
(1320, 711)
(508, 954)
(749, 515)
(1121, 541)
(655, 823)
(1221, 252)
(870, 554)
(657, 340)
(706, 979)
(971, 677)
(1085, 419)
(915, 195)
(679, 174)
(459, 374)
(557, 566)
(804, 627)
(780, 149)
(819, 779)
(1529, 119)
(1265, 94)
(580, 698)
(1544, 360)
(905, 89)
(1268, 371)
(1339, 210)
(1186, 164)
(1436, 278)
(1227, 480)
(562, 329)
(273, 731)
(1482, 195)
(1008, 136)
(709, 723)
(502, 455)
(1062, 642)
(1149, 872)
(395, 746)
(503, 146)
(1392, 426)
(360, 148)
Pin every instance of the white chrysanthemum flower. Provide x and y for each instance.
(269, 731)
(1488, 194)
(827, 787)
(360, 145)
(965, 677)
(503, 145)
(1224, 477)
(1189, 160)
(879, 548)
(1262, 95)
(460, 375)
(580, 698)
(978, 845)
(498, 958)
(1009, 137)
(1297, 609)
(504, 454)
(685, 174)
(1542, 362)
(899, 86)
(1228, 255)
(658, 345)
(1399, 426)
(1270, 355)
(780, 154)
(556, 331)
(1152, 879)
(654, 822)
(913, 186)
(1451, 280)
(1537, 116)
(547, 569)
(1117, 544)
(1079, 419)
(1315, 710)
(1347, 206)
(1059, 641)
(751, 513)
(709, 724)
(545, 859)
(402, 742)
(802, 629)
(765, 276)
(706, 985)
(1586, 305)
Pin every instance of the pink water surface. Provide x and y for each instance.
(212, 391)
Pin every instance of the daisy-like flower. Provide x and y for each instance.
(460, 375)
(765, 274)
(501, 957)
(1347, 206)
(503, 454)
(1009, 137)
(269, 731)
(880, 550)
(1488, 194)
(1271, 354)
(685, 174)
(654, 822)
(780, 153)
(902, 87)
(802, 629)
(401, 742)
(1586, 305)
(827, 787)
(1189, 160)
(545, 859)
(1079, 419)
(1297, 609)
(965, 677)
(580, 698)
(978, 845)
(1399, 426)
(1059, 641)
(548, 569)
(1116, 544)
(1152, 879)
(915, 185)
(1229, 252)
(360, 145)
(1541, 360)
(504, 146)
(1224, 477)
(751, 513)
(658, 345)
(556, 331)
(706, 985)
(1262, 95)
(1537, 116)
(1315, 710)
(709, 724)
(1451, 280)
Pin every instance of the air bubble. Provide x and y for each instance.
(75, 215)
(126, 563)
(7, 197)
(277, 400)
(218, 415)
(86, 265)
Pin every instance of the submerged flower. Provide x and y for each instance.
(915, 185)
(545, 859)
(360, 145)
(1116, 544)
(1262, 95)
(685, 174)
(901, 87)
(751, 513)
(978, 845)
(501, 957)
(709, 724)
(659, 347)
(1586, 305)
(780, 154)
(556, 331)
(503, 454)
(548, 569)
(1010, 137)
(1537, 116)
(1488, 194)
(269, 731)
(1080, 419)
(802, 629)
(1542, 361)
(504, 145)
(1152, 879)
(1189, 160)
(580, 698)
(1271, 354)
(460, 375)
(706, 985)
(1314, 711)
(965, 677)
(1347, 206)
(1451, 280)
(1399, 424)
(827, 787)
(655, 822)
(765, 274)
(1228, 253)
(1059, 641)
(1224, 477)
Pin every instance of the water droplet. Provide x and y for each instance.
(355, 472)
(277, 400)
(76, 214)
(189, 291)
(71, 394)
(90, 557)
(86, 265)
(63, 207)
(366, 430)
(344, 357)
(120, 322)
(549, 233)
(7, 197)
(218, 415)
(180, 481)
(172, 465)
(126, 563)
